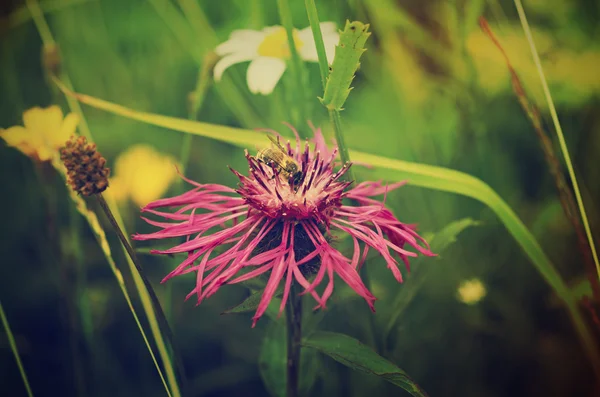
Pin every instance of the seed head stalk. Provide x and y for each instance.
(160, 315)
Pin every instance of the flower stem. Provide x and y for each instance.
(15, 350)
(294, 338)
(285, 15)
(334, 115)
(313, 18)
(160, 315)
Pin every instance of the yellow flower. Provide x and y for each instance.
(45, 131)
(471, 291)
(142, 174)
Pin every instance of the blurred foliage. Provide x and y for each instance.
(430, 89)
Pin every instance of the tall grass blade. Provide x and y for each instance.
(559, 132)
(15, 350)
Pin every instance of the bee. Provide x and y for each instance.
(277, 157)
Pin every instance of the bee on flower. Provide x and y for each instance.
(281, 227)
(268, 52)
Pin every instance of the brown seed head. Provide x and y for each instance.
(86, 168)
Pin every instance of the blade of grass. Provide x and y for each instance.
(50, 45)
(559, 132)
(564, 192)
(15, 350)
(423, 175)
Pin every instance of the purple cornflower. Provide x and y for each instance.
(282, 226)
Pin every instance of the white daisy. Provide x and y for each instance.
(268, 52)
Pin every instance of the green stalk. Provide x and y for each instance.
(293, 315)
(559, 132)
(313, 18)
(296, 66)
(49, 45)
(15, 350)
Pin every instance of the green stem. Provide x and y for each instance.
(296, 67)
(315, 26)
(160, 315)
(294, 338)
(336, 122)
(15, 350)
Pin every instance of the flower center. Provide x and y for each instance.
(275, 44)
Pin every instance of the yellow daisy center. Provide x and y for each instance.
(275, 44)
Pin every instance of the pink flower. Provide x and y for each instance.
(282, 226)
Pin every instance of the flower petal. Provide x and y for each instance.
(43, 120)
(331, 37)
(241, 41)
(18, 137)
(264, 73)
(67, 130)
(229, 60)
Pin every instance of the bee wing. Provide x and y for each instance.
(276, 143)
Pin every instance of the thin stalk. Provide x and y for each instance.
(160, 315)
(315, 27)
(15, 350)
(294, 338)
(296, 66)
(564, 192)
(559, 132)
(196, 100)
(334, 115)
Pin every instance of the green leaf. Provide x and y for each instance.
(353, 354)
(272, 362)
(447, 236)
(345, 63)
(250, 304)
(438, 243)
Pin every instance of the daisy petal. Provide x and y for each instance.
(241, 41)
(264, 73)
(229, 60)
(331, 37)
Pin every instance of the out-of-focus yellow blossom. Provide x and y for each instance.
(45, 131)
(571, 75)
(471, 291)
(491, 65)
(142, 174)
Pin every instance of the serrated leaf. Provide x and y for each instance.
(272, 363)
(345, 64)
(353, 354)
